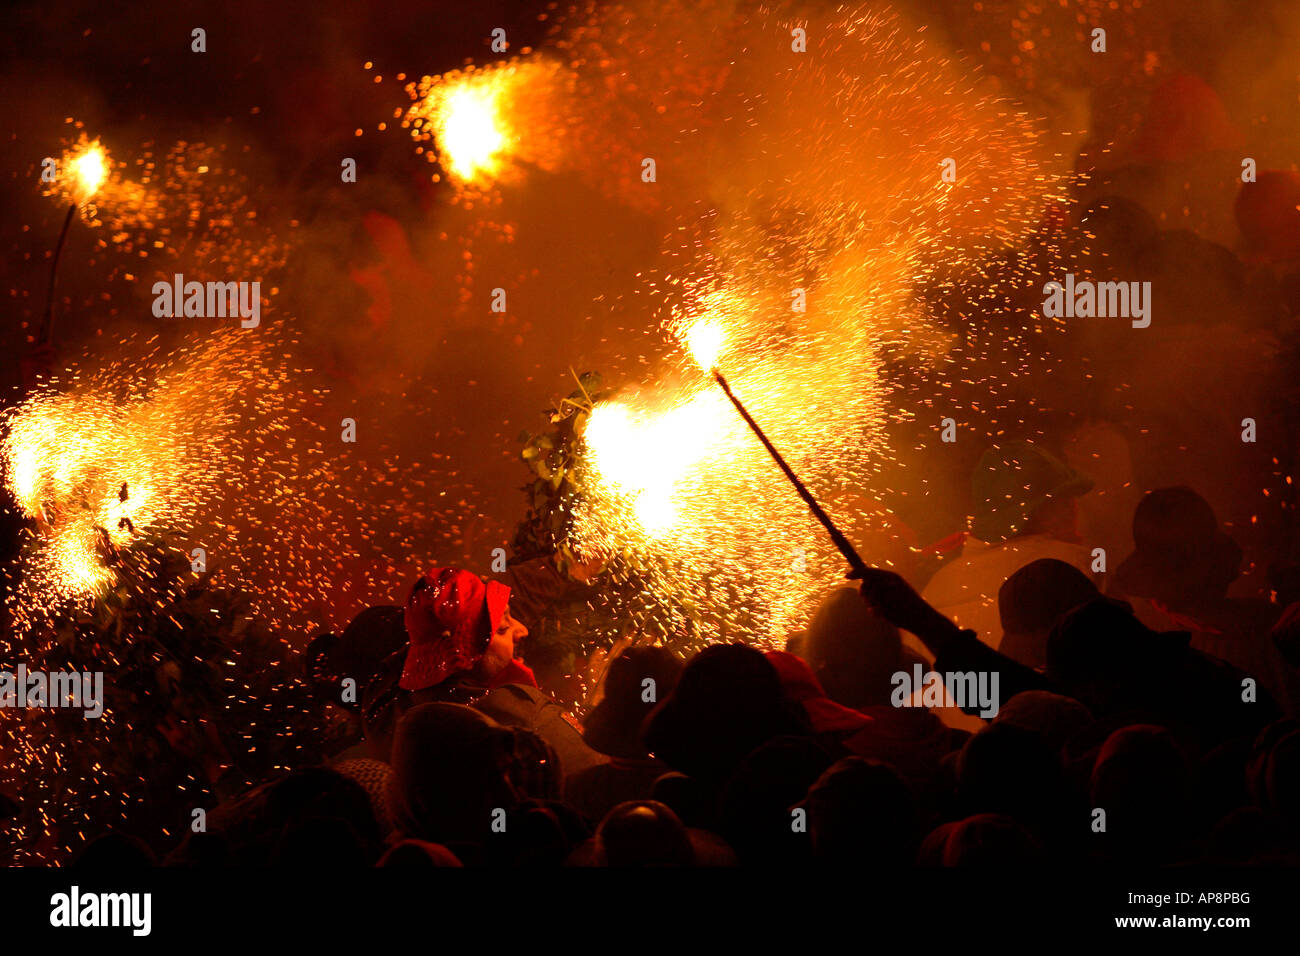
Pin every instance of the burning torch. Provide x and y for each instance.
(88, 171)
(704, 340)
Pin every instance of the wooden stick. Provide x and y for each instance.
(837, 536)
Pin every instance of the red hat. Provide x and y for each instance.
(450, 617)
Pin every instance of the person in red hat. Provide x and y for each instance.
(463, 643)
(462, 637)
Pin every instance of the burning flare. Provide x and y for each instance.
(705, 339)
(653, 460)
(477, 119)
(471, 133)
(89, 169)
(137, 447)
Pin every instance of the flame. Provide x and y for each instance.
(89, 169)
(653, 460)
(471, 134)
(705, 339)
(475, 118)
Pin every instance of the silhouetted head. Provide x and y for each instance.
(754, 813)
(727, 702)
(860, 811)
(985, 841)
(637, 680)
(853, 652)
(451, 768)
(1032, 600)
(643, 833)
(1181, 555)
(1142, 781)
(1008, 770)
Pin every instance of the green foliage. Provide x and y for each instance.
(553, 457)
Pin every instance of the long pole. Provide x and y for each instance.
(47, 322)
(837, 536)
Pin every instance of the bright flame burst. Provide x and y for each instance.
(704, 340)
(464, 113)
(655, 462)
(477, 118)
(84, 172)
(470, 134)
(90, 169)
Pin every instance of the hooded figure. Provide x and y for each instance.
(1177, 578)
(727, 702)
(451, 617)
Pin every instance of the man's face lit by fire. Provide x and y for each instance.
(500, 650)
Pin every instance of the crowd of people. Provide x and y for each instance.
(1151, 719)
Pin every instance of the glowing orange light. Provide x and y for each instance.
(651, 459)
(705, 339)
(469, 129)
(89, 169)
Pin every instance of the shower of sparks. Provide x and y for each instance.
(188, 203)
(126, 464)
(113, 458)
